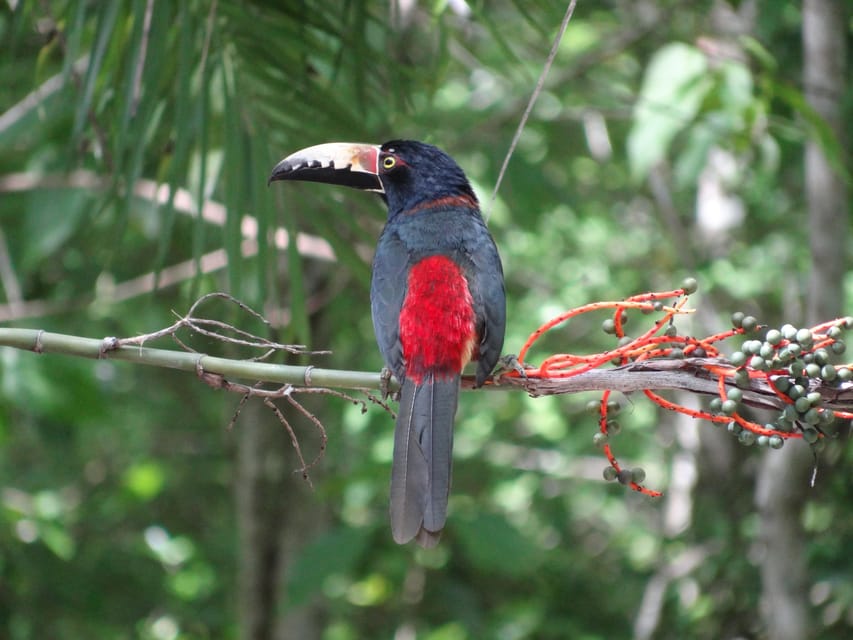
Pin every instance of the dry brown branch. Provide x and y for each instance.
(660, 374)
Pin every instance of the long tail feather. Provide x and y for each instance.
(420, 475)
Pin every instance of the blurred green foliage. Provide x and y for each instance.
(116, 484)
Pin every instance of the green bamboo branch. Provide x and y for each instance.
(307, 376)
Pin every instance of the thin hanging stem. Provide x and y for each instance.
(526, 115)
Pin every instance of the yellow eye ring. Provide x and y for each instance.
(388, 162)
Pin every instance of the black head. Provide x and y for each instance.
(413, 173)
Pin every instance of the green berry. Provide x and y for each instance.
(613, 407)
(796, 391)
(734, 394)
(716, 405)
(609, 474)
(671, 331)
(814, 398)
(593, 406)
(788, 331)
(613, 427)
(828, 372)
(751, 347)
(690, 285)
(834, 332)
(729, 407)
(766, 350)
(827, 418)
(624, 476)
(782, 383)
(821, 356)
(738, 359)
(776, 442)
(734, 428)
(838, 347)
(758, 363)
(676, 353)
(741, 378)
(638, 474)
(810, 435)
(797, 368)
(802, 404)
(812, 416)
(773, 337)
(608, 326)
(762, 441)
(845, 374)
(600, 439)
(737, 319)
(749, 324)
(804, 337)
(813, 370)
(746, 438)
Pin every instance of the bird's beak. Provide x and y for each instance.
(344, 163)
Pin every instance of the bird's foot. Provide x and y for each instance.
(384, 379)
(510, 362)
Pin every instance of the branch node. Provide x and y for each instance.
(38, 347)
(110, 343)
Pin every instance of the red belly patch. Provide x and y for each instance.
(437, 320)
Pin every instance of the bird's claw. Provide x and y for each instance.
(384, 379)
(510, 362)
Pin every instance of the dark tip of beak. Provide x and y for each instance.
(281, 171)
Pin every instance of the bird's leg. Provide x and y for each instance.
(510, 362)
(384, 379)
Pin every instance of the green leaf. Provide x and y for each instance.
(106, 22)
(58, 540)
(673, 89)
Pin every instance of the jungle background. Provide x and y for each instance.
(672, 138)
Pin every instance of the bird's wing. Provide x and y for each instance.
(487, 288)
(387, 292)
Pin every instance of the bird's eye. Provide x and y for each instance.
(389, 162)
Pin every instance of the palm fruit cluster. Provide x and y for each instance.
(797, 364)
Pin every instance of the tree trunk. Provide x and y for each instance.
(783, 486)
(277, 512)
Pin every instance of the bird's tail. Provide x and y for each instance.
(420, 475)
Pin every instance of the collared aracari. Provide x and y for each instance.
(437, 300)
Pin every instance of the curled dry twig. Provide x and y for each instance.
(220, 331)
(228, 334)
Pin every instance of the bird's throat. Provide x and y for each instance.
(437, 321)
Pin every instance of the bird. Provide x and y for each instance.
(437, 303)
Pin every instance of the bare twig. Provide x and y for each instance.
(540, 84)
(220, 331)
